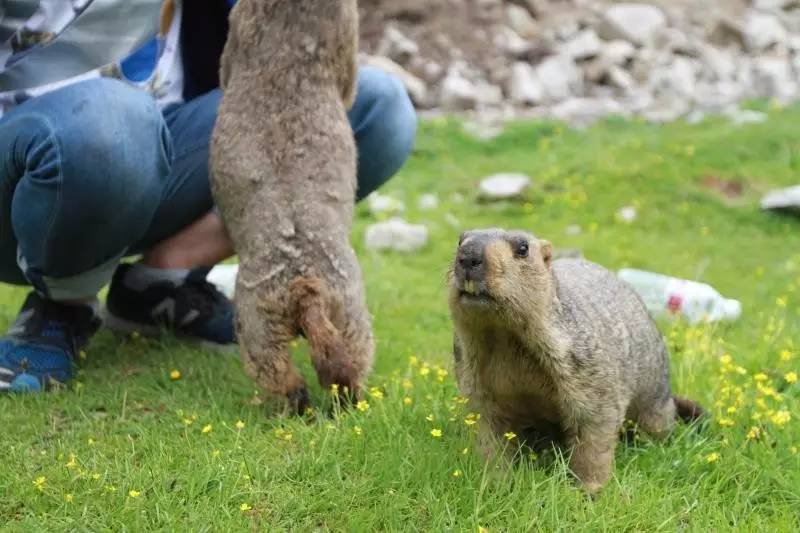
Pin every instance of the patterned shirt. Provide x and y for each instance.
(47, 44)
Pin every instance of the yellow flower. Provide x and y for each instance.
(207, 429)
(288, 435)
(470, 421)
(781, 418)
(712, 457)
(760, 377)
(441, 374)
(786, 355)
(188, 421)
(429, 418)
(357, 430)
(90, 442)
(424, 371)
(69, 498)
(82, 355)
(407, 401)
(362, 406)
(215, 453)
(407, 384)
(793, 450)
(782, 301)
(239, 424)
(731, 410)
(335, 388)
(413, 360)
(436, 433)
(376, 393)
(790, 377)
(244, 507)
(741, 370)
(175, 375)
(110, 488)
(39, 482)
(754, 433)
(726, 359)
(510, 435)
(464, 451)
(456, 473)
(726, 422)
(95, 476)
(73, 462)
(134, 493)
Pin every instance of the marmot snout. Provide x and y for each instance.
(556, 350)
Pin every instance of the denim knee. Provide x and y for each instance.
(95, 159)
(385, 124)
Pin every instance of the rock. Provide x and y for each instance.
(504, 186)
(773, 78)
(627, 214)
(585, 111)
(745, 116)
(772, 5)
(397, 46)
(762, 31)
(677, 79)
(782, 200)
(416, 88)
(382, 205)
(720, 65)
(396, 234)
(727, 31)
(511, 43)
(586, 44)
(521, 21)
(560, 78)
(524, 86)
(618, 52)
(636, 23)
(665, 110)
(428, 202)
(459, 93)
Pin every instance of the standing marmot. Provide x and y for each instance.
(556, 349)
(283, 162)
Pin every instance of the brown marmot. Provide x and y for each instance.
(283, 162)
(556, 350)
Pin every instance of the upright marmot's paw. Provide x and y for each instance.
(299, 401)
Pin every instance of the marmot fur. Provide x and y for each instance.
(283, 161)
(556, 350)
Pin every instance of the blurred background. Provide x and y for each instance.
(582, 60)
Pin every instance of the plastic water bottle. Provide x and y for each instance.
(223, 277)
(664, 295)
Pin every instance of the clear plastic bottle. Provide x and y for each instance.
(664, 295)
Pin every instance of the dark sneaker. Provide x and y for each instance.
(148, 301)
(41, 347)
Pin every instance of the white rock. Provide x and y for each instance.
(677, 79)
(380, 204)
(618, 52)
(627, 214)
(521, 21)
(773, 78)
(223, 277)
(504, 186)
(720, 64)
(745, 116)
(762, 31)
(397, 46)
(428, 202)
(458, 93)
(782, 199)
(510, 42)
(396, 234)
(637, 23)
(585, 111)
(560, 78)
(769, 5)
(416, 88)
(584, 45)
(620, 78)
(524, 85)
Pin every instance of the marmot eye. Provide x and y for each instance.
(522, 249)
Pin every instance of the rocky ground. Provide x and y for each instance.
(581, 60)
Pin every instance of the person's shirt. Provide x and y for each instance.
(47, 44)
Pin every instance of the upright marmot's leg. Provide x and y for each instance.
(593, 445)
(658, 418)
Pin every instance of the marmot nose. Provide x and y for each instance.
(470, 261)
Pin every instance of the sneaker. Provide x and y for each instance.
(150, 301)
(40, 349)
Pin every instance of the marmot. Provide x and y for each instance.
(556, 350)
(283, 166)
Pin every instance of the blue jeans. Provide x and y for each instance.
(95, 171)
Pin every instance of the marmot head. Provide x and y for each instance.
(498, 272)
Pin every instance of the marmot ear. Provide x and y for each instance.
(546, 249)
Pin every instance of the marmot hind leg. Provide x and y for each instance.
(658, 418)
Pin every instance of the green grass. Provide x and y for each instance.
(126, 426)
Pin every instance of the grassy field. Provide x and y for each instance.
(129, 448)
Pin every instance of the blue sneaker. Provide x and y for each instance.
(40, 349)
(150, 301)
